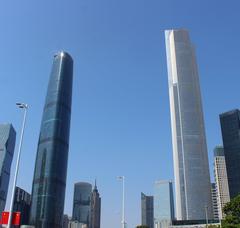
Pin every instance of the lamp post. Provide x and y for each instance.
(122, 178)
(206, 213)
(25, 107)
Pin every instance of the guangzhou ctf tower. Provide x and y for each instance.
(50, 173)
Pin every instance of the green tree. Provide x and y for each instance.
(142, 227)
(232, 212)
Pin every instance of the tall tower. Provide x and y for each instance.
(7, 145)
(49, 182)
(82, 203)
(147, 210)
(230, 125)
(191, 168)
(221, 179)
(95, 213)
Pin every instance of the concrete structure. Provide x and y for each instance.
(215, 202)
(147, 212)
(163, 203)
(7, 145)
(221, 179)
(191, 168)
(230, 125)
(49, 182)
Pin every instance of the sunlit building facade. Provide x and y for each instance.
(191, 167)
(221, 180)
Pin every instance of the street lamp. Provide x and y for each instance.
(206, 213)
(25, 107)
(122, 178)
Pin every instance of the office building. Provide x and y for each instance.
(163, 204)
(147, 210)
(221, 179)
(215, 202)
(82, 203)
(7, 145)
(95, 205)
(22, 202)
(49, 182)
(66, 221)
(191, 167)
(230, 125)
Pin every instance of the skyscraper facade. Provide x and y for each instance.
(82, 203)
(49, 182)
(22, 201)
(147, 210)
(215, 202)
(95, 205)
(230, 125)
(7, 145)
(221, 179)
(191, 168)
(163, 203)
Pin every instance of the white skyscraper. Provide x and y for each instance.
(191, 168)
(221, 179)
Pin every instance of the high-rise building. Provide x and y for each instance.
(7, 145)
(215, 202)
(147, 210)
(49, 182)
(230, 125)
(66, 221)
(95, 205)
(191, 167)
(163, 203)
(82, 203)
(22, 201)
(221, 179)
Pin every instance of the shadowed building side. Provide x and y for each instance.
(49, 182)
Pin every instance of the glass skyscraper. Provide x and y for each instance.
(82, 203)
(191, 167)
(7, 145)
(163, 203)
(230, 125)
(147, 210)
(49, 182)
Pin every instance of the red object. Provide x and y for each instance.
(16, 218)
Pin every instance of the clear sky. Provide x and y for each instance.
(120, 114)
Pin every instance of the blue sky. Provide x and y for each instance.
(120, 119)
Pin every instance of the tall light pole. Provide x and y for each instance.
(206, 213)
(25, 107)
(122, 178)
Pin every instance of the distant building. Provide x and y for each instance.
(147, 210)
(221, 179)
(215, 202)
(191, 167)
(82, 203)
(7, 145)
(95, 205)
(22, 202)
(76, 224)
(230, 125)
(163, 204)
